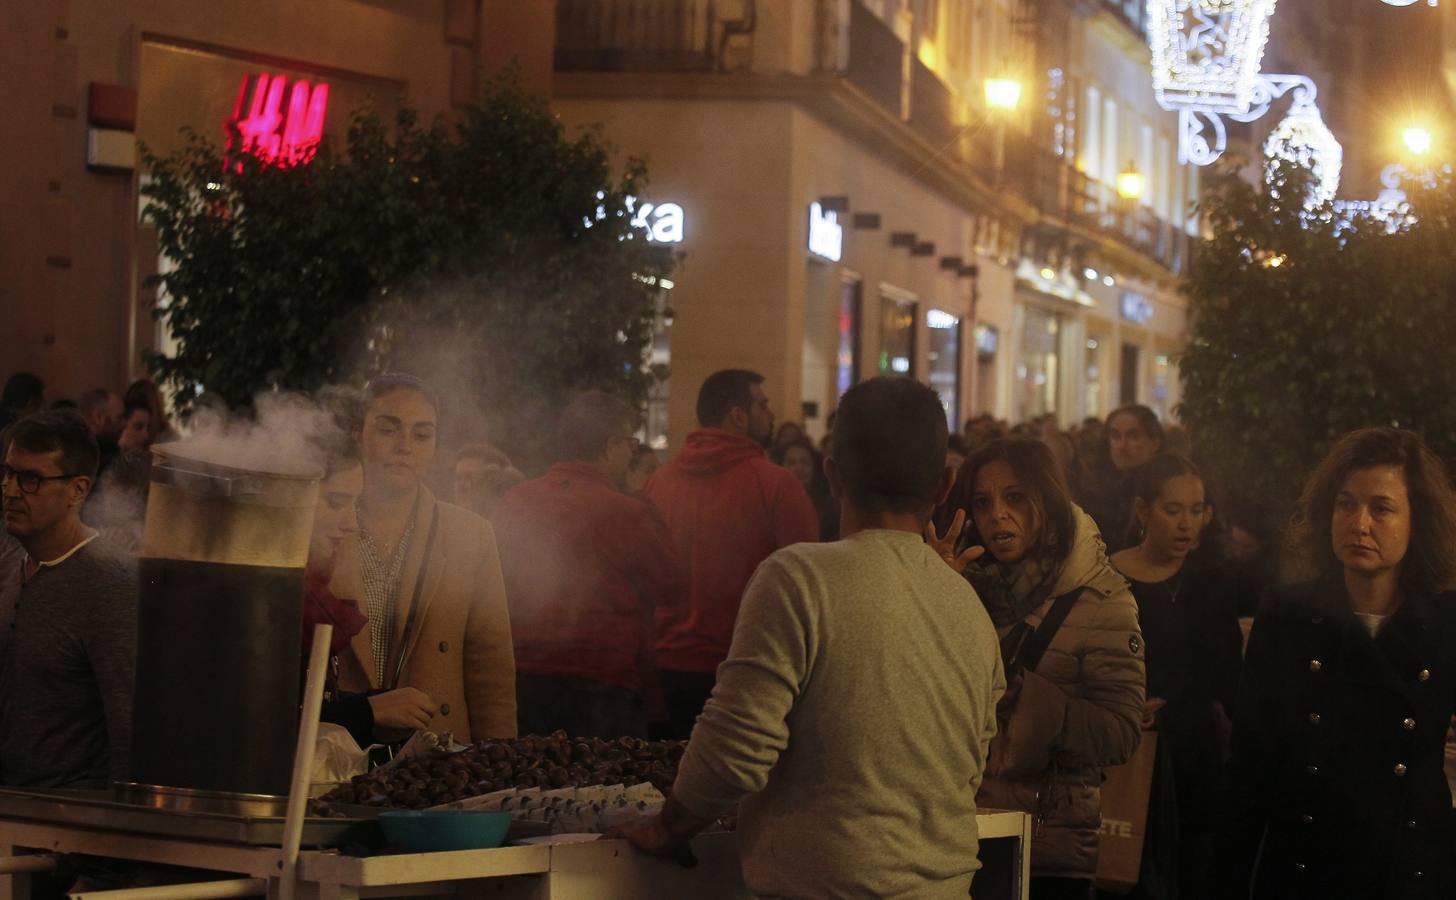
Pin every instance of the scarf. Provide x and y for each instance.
(1010, 593)
(321, 606)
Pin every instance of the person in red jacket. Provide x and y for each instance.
(728, 508)
(584, 565)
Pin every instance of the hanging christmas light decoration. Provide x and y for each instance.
(1302, 137)
(1207, 53)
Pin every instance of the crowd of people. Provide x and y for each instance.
(865, 640)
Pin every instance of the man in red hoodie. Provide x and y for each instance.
(584, 565)
(728, 508)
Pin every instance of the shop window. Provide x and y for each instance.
(659, 359)
(1162, 382)
(846, 366)
(1092, 377)
(897, 336)
(988, 341)
(1039, 369)
(1131, 362)
(943, 362)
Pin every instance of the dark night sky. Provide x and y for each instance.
(1378, 68)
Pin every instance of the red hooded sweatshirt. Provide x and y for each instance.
(584, 564)
(727, 508)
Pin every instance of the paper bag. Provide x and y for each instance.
(1125, 796)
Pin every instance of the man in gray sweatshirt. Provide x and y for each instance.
(852, 715)
(68, 658)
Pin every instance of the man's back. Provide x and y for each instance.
(885, 668)
(584, 619)
(727, 508)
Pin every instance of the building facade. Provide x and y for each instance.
(91, 82)
(854, 203)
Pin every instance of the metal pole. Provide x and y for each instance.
(199, 890)
(313, 698)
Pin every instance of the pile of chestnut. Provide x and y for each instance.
(553, 761)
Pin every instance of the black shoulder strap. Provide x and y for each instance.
(1036, 643)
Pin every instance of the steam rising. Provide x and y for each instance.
(285, 438)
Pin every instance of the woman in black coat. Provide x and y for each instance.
(1349, 685)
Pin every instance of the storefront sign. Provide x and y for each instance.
(664, 221)
(826, 235)
(262, 125)
(1136, 308)
(939, 319)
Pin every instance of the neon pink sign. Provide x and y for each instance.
(261, 125)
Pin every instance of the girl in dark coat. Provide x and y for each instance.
(1190, 625)
(1349, 685)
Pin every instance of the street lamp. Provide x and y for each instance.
(1131, 183)
(1417, 140)
(1003, 94)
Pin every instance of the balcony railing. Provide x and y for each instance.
(649, 35)
(1058, 189)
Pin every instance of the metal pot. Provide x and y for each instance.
(219, 628)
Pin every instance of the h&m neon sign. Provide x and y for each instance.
(261, 123)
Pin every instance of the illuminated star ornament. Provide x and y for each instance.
(1207, 53)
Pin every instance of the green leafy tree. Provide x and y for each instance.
(496, 257)
(1306, 326)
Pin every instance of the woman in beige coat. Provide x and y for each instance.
(427, 575)
(1077, 708)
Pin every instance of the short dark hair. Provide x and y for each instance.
(63, 430)
(1148, 483)
(590, 420)
(389, 382)
(724, 390)
(1147, 419)
(889, 446)
(93, 400)
(1037, 470)
(22, 389)
(1429, 565)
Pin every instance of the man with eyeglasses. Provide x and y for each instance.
(68, 624)
(585, 565)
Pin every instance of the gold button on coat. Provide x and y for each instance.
(1400, 769)
(1408, 724)
(1425, 675)
(1315, 665)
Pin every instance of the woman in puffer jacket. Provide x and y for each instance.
(1078, 708)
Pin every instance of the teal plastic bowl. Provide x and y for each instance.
(429, 831)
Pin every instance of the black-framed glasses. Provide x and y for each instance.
(29, 481)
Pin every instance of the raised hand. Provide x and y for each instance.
(944, 546)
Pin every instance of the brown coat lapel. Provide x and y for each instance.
(426, 554)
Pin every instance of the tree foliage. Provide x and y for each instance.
(1306, 326)
(495, 256)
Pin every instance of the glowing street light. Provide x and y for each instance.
(1417, 140)
(1003, 94)
(1131, 183)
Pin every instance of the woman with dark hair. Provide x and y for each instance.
(1072, 650)
(144, 393)
(1190, 623)
(1336, 783)
(1133, 437)
(371, 717)
(801, 459)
